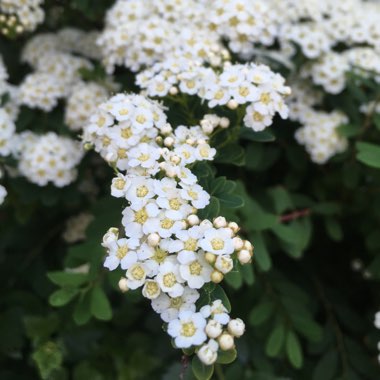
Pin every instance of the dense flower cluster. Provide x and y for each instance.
(255, 85)
(165, 248)
(47, 158)
(18, 16)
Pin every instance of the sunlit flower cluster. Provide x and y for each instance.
(47, 158)
(164, 247)
(18, 16)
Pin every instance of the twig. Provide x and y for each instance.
(294, 215)
(184, 364)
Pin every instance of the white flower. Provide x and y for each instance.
(224, 263)
(144, 155)
(217, 311)
(139, 191)
(119, 186)
(213, 329)
(208, 353)
(164, 225)
(136, 275)
(169, 279)
(188, 329)
(189, 242)
(196, 195)
(195, 270)
(204, 152)
(135, 221)
(121, 252)
(218, 241)
(169, 307)
(151, 289)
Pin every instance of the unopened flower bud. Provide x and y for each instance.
(216, 276)
(193, 220)
(224, 263)
(244, 256)
(210, 258)
(206, 223)
(87, 146)
(173, 90)
(110, 236)
(154, 239)
(168, 141)
(226, 342)
(166, 129)
(213, 329)
(232, 104)
(234, 227)
(123, 284)
(236, 327)
(206, 355)
(224, 122)
(220, 222)
(238, 243)
(248, 245)
(175, 160)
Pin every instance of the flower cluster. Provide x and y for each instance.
(255, 85)
(19, 16)
(47, 158)
(165, 248)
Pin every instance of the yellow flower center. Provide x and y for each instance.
(176, 302)
(167, 223)
(188, 329)
(258, 116)
(141, 216)
(195, 268)
(122, 153)
(144, 157)
(265, 98)
(204, 151)
(141, 119)
(119, 184)
(169, 280)
(175, 204)
(123, 112)
(126, 133)
(219, 95)
(193, 194)
(244, 91)
(101, 121)
(138, 273)
(142, 191)
(191, 244)
(152, 288)
(217, 244)
(121, 252)
(159, 255)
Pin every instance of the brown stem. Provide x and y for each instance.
(185, 364)
(294, 215)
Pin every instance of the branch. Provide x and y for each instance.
(185, 364)
(294, 215)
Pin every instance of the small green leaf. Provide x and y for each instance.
(82, 311)
(100, 306)
(67, 279)
(231, 200)
(226, 357)
(212, 210)
(368, 154)
(201, 371)
(234, 279)
(261, 313)
(294, 350)
(232, 154)
(261, 254)
(327, 367)
(251, 135)
(48, 358)
(62, 296)
(275, 341)
(348, 130)
(334, 229)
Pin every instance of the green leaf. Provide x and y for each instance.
(281, 199)
(275, 341)
(67, 279)
(62, 296)
(231, 200)
(234, 279)
(100, 306)
(248, 274)
(82, 311)
(226, 357)
(261, 254)
(348, 130)
(257, 218)
(261, 313)
(232, 154)
(48, 358)
(333, 229)
(294, 350)
(326, 208)
(211, 211)
(306, 326)
(251, 135)
(201, 371)
(368, 154)
(376, 120)
(40, 328)
(327, 366)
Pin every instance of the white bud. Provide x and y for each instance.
(175, 159)
(206, 355)
(166, 129)
(244, 256)
(232, 104)
(110, 236)
(173, 90)
(236, 327)
(224, 122)
(206, 223)
(224, 263)
(110, 157)
(238, 243)
(169, 141)
(190, 141)
(213, 329)
(210, 258)
(193, 220)
(234, 227)
(220, 222)
(154, 239)
(248, 245)
(123, 284)
(226, 342)
(207, 128)
(216, 276)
